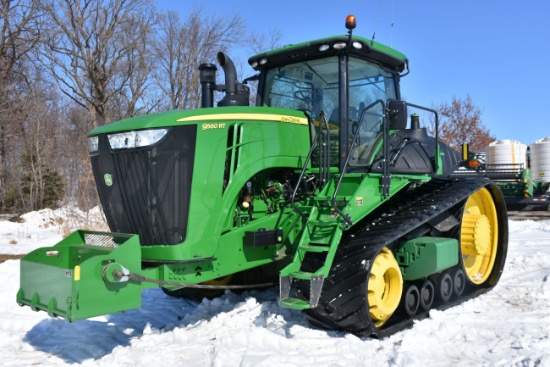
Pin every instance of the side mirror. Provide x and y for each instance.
(397, 114)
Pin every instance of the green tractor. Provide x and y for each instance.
(323, 187)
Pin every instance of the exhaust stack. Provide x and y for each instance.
(236, 94)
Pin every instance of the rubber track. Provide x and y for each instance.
(342, 304)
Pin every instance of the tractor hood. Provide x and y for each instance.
(178, 117)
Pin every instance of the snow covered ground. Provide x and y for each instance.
(509, 326)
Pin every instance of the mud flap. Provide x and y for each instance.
(74, 278)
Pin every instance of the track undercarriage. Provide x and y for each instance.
(352, 301)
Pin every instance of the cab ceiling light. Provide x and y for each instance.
(339, 45)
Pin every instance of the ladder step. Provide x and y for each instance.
(295, 303)
(323, 223)
(302, 275)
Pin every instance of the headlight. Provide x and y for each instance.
(93, 144)
(136, 139)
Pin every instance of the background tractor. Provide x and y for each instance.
(323, 187)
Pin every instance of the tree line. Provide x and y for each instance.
(68, 66)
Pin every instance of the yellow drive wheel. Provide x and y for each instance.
(385, 287)
(479, 236)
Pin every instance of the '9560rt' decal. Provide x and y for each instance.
(213, 126)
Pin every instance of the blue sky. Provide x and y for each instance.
(495, 51)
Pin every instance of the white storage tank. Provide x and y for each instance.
(506, 152)
(540, 160)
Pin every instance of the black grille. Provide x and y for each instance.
(151, 187)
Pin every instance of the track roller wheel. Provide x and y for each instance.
(427, 294)
(384, 288)
(459, 281)
(411, 300)
(479, 236)
(445, 288)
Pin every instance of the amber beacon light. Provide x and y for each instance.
(350, 22)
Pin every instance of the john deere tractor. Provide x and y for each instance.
(323, 187)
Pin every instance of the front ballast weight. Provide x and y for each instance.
(91, 274)
(75, 279)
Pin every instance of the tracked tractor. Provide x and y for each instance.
(324, 188)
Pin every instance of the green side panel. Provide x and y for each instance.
(424, 256)
(73, 279)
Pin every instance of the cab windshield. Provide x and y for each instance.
(313, 87)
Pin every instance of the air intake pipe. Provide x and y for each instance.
(236, 94)
(207, 76)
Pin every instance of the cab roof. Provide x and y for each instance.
(361, 47)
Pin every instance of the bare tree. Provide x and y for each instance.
(19, 33)
(40, 183)
(261, 42)
(460, 122)
(139, 96)
(20, 26)
(75, 161)
(91, 50)
(183, 45)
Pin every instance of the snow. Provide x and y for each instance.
(46, 227)
(509, 326)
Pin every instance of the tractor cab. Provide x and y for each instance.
(341, 83)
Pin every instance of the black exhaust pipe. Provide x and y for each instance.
(230, 73)
(236, 94)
